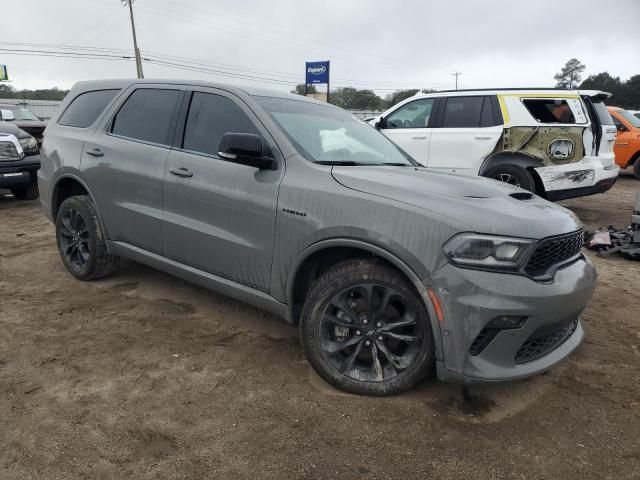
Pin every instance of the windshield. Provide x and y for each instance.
(24, 114)
(330, 135)
(630, 118)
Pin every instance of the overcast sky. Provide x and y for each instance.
(371, 43)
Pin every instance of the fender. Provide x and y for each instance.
(419, 284)
(73, 176)
(511, 158)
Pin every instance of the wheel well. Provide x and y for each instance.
(65, 188)
(317, 264)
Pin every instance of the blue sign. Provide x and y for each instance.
(317, 72)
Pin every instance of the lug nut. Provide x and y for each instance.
(367, 343)
(379, 324)
(365, 321)
(380, 338)
(358, 332)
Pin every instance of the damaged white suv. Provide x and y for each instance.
(555, 143)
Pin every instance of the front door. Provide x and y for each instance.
(465, 133)
(220, 216)
(408, 127)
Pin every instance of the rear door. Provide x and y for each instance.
(603, 128)
(124, 162)
(220, 216)
(409, 127)
(466, 130)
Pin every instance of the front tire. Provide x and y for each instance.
(512, 175)
(26, 193)
(81, 242)
(636, 167)
(366, 331)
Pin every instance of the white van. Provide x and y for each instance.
(556, 143)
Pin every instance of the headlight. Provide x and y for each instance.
(28, 143)
(488, 252)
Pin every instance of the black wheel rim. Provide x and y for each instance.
(507, 178)
(74, 238)
(371, 332)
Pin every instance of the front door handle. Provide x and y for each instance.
(95, 152)
(181, 172)
(482, 137)
(419, 137)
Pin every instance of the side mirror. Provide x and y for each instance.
(621, 127)
(379, 124)
(7, 115)
(245, 149)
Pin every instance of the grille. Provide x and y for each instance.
(33, 131)
(537, 347)
(8, 152)
(552, 251)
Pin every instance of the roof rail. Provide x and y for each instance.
(506, 89)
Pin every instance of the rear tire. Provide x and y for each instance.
(26, 193)
(365, 330)
(81, 242)
(512, 175)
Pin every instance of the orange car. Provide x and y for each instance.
(627, 146)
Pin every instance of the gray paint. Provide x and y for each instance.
(246, 232)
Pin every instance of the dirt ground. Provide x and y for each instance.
(144, 376)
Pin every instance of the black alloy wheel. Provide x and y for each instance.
(370, 332)
(366, 330)
(74, 238)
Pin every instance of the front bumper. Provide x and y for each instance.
(472, 298)
(19, 173)
(589, 176)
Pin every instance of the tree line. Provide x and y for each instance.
(625, 93)
(354, 99)
(7, 91)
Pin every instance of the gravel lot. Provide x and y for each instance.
(144, 376)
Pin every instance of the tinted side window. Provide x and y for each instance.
(147, 115)
(86, 108)
(411, 115)
(489, 117)
(462, 112)
(211, 116)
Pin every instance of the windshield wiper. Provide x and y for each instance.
(395, 164)
(347, 163)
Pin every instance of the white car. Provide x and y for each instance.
(556, 143)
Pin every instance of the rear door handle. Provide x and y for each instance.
(419, 137)
(181, 172)
(95, 152)
(482, 137)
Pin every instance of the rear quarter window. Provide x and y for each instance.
(554, 110)
(86, 108)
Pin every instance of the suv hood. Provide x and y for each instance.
(471, 203)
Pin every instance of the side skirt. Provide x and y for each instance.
(220, 285)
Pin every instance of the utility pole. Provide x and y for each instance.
(136, 50)
(456, 75)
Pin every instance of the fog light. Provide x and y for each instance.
(506, 322)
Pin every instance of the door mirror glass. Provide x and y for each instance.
(621, 127)
(7, 115)
(244, 148)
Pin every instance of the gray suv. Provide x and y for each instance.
(301, 209)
